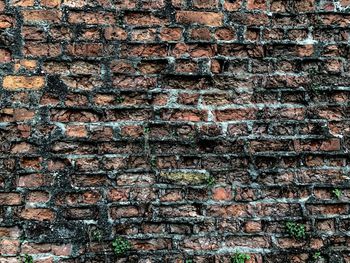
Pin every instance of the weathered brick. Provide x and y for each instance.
(9, 247)
(144, 19)
(203, 18)
(98, 18)
(194, 125)
(115, 33)
(37, 16)
(236, 114)
(34, 49)
(39, 214)
(23, 82)
(6, 21)
(10, 199)
(50, 3)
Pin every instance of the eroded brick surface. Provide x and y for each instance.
(193, 128)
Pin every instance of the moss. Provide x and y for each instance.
(186, 177)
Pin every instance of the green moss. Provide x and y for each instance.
(186, 177)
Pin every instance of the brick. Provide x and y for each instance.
(33, 181)
(26, 64)
(37, 16)
(23, 82)
(38, 214)
(170, 34)
(32, 248)
(96, 18)
(252, 227)
(144, 19)
(84, 50)
(50, 3)
(201, 34)
(37, 197)
(232, 5)
(226, 34)
(257, 4)
(9, 247)
(221, 194)
(41, 49)
(328, 209)
(115, 33)
(22, 3)
(144, 35)
(62, 250)
(184, 115)
(10, 199)
(236, 114)
(76, 131)
(5, 56)
(203, 18)
(6, 21)
(305, 6)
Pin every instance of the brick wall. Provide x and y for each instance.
(194, 129)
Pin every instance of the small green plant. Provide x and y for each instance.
(121, 246)
(239, 257)
(337, 193)
(316, 256)
(119, 99)
(146, 130)
(27, 259)
(96, 235)
(210, 181)
(296, 230)
(189, 261)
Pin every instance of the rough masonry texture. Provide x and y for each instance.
(194, 129)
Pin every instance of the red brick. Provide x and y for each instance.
(6, 21)
(185, 115)
(5, 56)
(171, 34)
(222, 194)
(22, 3)
(85, 50)
(76, 131)
(144, 19)
(37, 16)
(10, 199)
(50, 3)
(336, 209)
(98, 18)
(225, 33)
(252, 226)
(212, 4)
(33, 180)
(62, 250)
(236, 114)
(201, 33)
(37, 197)
(305, 6)
(41, 49)
(115, 33)
(203, 18)
(144, 35)
(9, 247)
(38, 214)
(232, 5)
(257, 4)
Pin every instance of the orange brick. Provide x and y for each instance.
(23, 82)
